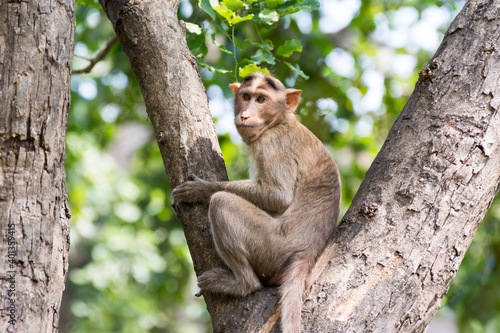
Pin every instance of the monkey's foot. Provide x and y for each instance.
(223, 281)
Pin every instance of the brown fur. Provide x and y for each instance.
(269, 229)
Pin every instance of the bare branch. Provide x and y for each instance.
(104, 52)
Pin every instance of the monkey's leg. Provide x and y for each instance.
(241, 231)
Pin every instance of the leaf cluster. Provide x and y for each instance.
(226, 18)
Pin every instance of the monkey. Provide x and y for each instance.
(270, 229)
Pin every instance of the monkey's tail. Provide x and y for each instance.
(292, 293)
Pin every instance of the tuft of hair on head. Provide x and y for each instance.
(249, 78)
(270, 80)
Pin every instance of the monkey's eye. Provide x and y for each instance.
(246, 97)
(261, 99)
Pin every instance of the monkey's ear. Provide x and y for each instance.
(292, 99)
(235, 86)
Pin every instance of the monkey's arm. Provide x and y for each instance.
(273, 199)
(273, 187)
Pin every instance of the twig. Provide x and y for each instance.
(98, 57)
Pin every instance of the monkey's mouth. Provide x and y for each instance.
(247, 126)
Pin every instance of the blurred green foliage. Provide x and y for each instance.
(130, 269)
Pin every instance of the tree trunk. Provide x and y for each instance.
(401, 242)
(403, 238)
(36, 50)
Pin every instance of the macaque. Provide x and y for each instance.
(270, 229)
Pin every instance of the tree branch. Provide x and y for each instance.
(402, 240)
(103, 53)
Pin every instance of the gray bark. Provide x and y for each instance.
(413, 218)
(401, 242)
(36, 49)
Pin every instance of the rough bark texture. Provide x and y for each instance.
(408, 228)
(400, 244)
(36, 50)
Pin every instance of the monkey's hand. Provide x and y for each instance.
(216, 280)
(197, 190)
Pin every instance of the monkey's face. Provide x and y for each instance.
(260, 103)
(255, 111)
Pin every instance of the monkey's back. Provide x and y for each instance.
(312, 215)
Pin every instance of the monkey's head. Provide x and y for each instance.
(261, 102)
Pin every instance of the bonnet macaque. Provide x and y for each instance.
(270, 229)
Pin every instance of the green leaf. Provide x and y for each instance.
(198, 47)
(230, 16)
(206, 6)
(295, 6)
(269, 16)
(90, 3)
(296, 69)
(309, 5)
(233, 5)
(262, 56)
(221, 24)
(288, 48)
(220, 46)
(273, 3)
(224, 12)
(216, 69)
(266, 45)
(237, 19)
(249, 69)
(193, 28)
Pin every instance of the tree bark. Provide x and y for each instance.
(36, 50)
(401, 242)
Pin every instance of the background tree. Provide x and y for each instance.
(36, 50)
(353, 66)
